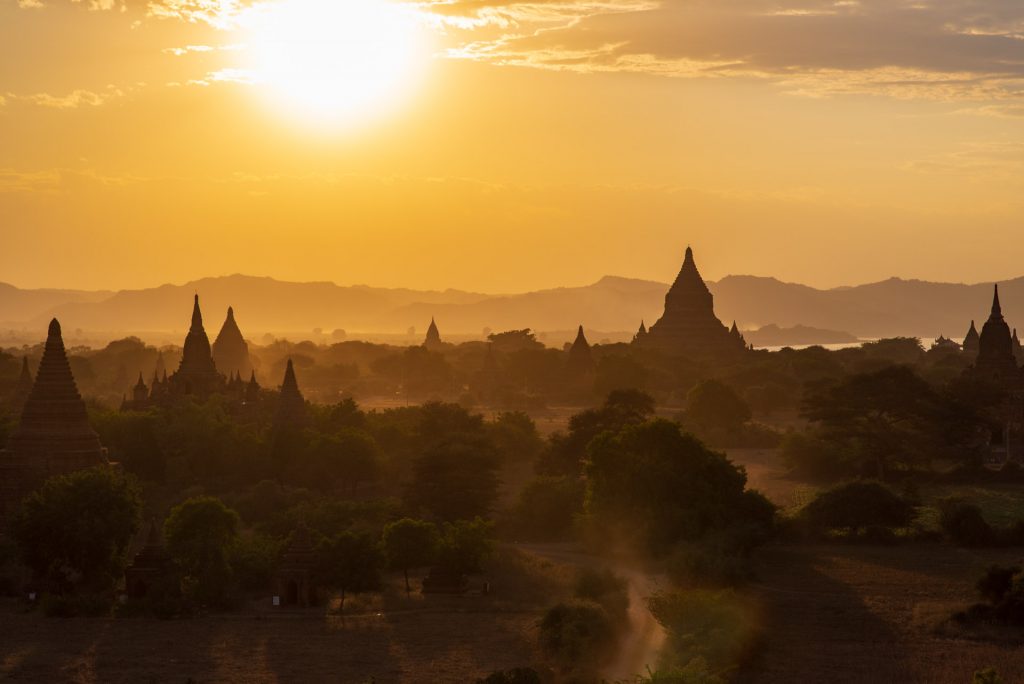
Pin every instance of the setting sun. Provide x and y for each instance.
(333, 61)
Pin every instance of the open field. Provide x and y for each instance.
(869, 614)
(382, 639)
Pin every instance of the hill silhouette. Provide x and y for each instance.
(888, 308)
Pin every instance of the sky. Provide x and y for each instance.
(500, 146)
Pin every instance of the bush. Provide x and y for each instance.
(716, 629)
(519, 675)
(604, 588)
(85, 605)
(708, 565)
(963, 524)
(578, 635)
(253, 561)
(857, 505)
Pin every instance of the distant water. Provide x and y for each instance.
(926, 342)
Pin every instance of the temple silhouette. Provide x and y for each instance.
(204, 370)
(54, 436)
(689, 325)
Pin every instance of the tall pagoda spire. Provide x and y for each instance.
(995, 346)
(54, 436)
(197, 373)
(291, 406)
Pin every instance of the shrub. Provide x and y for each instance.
(464, 545)
(716, 629)
(86, 605)
(519, 675)
(963, 523)
(578, 634)
(708, 565)
(604, 588)
(857, 505)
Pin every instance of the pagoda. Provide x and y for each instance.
(971, 341)
(581, 358)
(230, 351)
(197, 375)
(151, 566)
(54, 436)
(996, 361)
(24, 386)
(291, 406)
(689, 324)
(433, 339)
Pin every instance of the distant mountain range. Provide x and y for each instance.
(613, 304)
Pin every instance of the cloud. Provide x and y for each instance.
(72, 100)
(942, 50)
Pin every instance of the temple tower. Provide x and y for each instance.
(689, 324)
(24, 386)
(54, 436)
(972, 341)
(581, 358)
(197, 374)
(151, 566)
(291, 406)
(995, 347)
(295, 572)
(230, 351)
(433, 338)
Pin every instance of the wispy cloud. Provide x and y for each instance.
(71, 100)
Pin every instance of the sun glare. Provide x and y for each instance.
(332, 61)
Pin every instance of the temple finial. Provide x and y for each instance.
(997, 310)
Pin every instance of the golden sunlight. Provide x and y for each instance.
(332, 61)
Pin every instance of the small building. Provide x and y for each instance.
(151, 566)
(294, 581)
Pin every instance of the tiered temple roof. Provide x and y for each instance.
(995, 346)
(197, 374)
(689, 324)
(54, 436)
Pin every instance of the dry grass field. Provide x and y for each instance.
(382, 639)
(873, 614)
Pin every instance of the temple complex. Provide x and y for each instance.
(291, 406)
(689, 324)
(54, 436)
(230, 351)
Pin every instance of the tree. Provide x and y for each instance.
(566, 452)
(714, 406)
(408, 544)
(883, 418)
(515, 437)
(464, 545)
(857, 505)
(455, 480)
(350, 563)
(76, 529)
(200, 532)
(665, 486)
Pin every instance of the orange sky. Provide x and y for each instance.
(531, 144)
